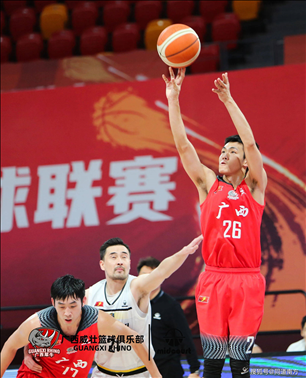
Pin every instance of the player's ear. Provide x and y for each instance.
(52, 301)
(84, 301)
(102, 265)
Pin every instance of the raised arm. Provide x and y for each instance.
(107, 325)
(145, 283)
(256, 175)
(201, 176)
(17, 340)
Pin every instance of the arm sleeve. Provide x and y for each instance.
(187, 345)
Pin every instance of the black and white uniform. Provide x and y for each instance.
(123, 307)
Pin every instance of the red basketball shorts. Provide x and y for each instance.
(229, 305)
(25, 374)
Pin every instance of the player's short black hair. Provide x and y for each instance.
(303, 322)
(236, 138)
(111, 242)
(68, 286)
(149, 261)
(233, 138)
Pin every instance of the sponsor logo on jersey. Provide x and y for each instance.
(220, 187)
(232, 195)
(43, 340)
(203, 299)
(124, 304)
(43, 337)
(71, 350)
(242, 192)
(157, 316)
(99, 304)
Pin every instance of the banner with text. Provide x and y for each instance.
(82, 165)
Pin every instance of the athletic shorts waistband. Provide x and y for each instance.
(231, 270)
(124, 373)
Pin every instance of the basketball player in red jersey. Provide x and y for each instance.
(79, 327)
(230, 292)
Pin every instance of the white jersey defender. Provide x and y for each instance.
(123, 307)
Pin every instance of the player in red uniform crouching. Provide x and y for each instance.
(230, 292)
(66, 336)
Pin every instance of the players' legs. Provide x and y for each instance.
(240, 368)
(212, 311)
(239, 349)
(244, 319)
(214, 352)
(214, 347)
(213, 368)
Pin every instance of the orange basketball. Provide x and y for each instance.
(178, 45)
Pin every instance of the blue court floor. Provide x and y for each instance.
(267, 366)
(286, 366)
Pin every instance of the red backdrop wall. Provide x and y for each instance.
(81, 165)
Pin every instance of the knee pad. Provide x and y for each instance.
(213, 368)
(240, 368)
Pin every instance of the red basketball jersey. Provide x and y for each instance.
(76, 356)
(230, 224)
